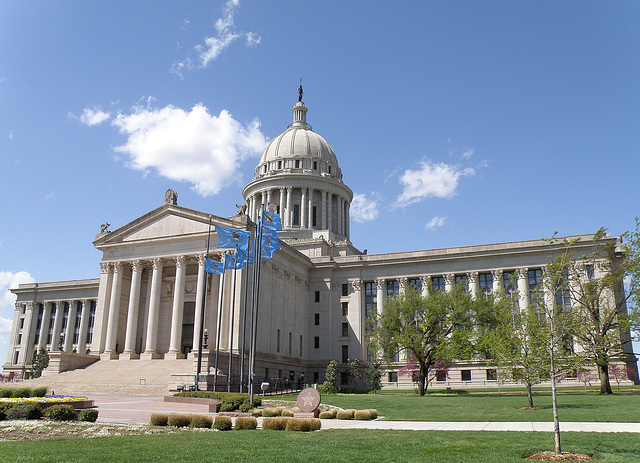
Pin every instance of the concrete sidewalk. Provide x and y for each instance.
(138, 409)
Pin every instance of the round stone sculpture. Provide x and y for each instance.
(308, 400)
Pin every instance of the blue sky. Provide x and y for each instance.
(454, 123)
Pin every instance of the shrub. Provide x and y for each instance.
(345, 414)
(89, 414)
(6, 392)
(179, 420)
(270, 412)
(245, 406)
(3, 414)
(22, 392)
(286, 412)
(159, 419)
(24, 412)
(201, 421)
(277, 423)
(61, 412)
(316, 424)
(222, 423)
(326, 415)
(39, 391)
(257, 411)
(298, 424)
(246, 422)
(374, 413)
(362, 415)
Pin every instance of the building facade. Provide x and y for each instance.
(316, 293)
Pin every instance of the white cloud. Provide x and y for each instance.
(189, 146)
(50, 196)
(92, 116)
(7, 302)
(468, 153)
(225, 35)
(363, 208)
(430, 180)
(436, 222)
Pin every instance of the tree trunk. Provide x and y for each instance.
(530, 395)
(422, 386)
(605, 385)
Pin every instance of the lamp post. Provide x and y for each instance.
(206, 339)
(61, 342)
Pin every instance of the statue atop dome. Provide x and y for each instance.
(300, 92)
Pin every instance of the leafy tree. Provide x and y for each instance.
(585, 376)
(620, 374)
(373, 376)
(437, 327)
(596, 286)
(331, 377)
(40, 363)
(354, 373)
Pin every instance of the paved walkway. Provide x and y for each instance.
(138, 409)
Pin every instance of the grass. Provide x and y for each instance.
(326, 446)
(572, 406)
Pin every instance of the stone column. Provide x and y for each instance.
(26, 347)
(150, 351)
(71, 324)
(14, 333)
(282, 204)
(323, 210)
(474, 284)
(57, 327)
(381, 287)
(329, 212)
(268, 196)
(102, 307)
(449, 281)
(311, 209)
(114, 314)
(84, 324)
(132, 311)
(199, 292)
(303, 208)
(497, 281)
(402, 284)
(347, 230)
(523, 287)
(425, 281)
(44, 327)
(177, 310)
(288, 210)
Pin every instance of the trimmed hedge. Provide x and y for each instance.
(277, 423)
(39, 391)
(24, 412)
(222, 423)
(362, 415)
(303, 424)
(287, 412)
(329, 414)
(374, 413)
(89, 414)
(159, 419)
(345, 414)
(245, 422)
(61, 412)
(21, 392)
(179, 420)
(201, 421)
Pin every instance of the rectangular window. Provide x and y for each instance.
(278, 341)
(300, 353)
(437, 283)
(416, 284)
(92, 320)
(465, 375)
(316, 342)
(462, 280)
(279, 164)
(76, 327)
(345, 354)
(393, 287)
(345, 330)
(441, 375)
(290, 343)
(393, 376)
(52, 319)
(317, 296)
(345, 289)
(369, 298)
(329, 170)
(296, 214)
(535, 286)
(313, 216)
(485, 281)
(316, 319)
(345, 309)
(491, 375)
(297, 163)
(36, 339)
(563, 298)
(589, 270)
(316, 377)
(509, 282)
(65, 317)
(315, 165)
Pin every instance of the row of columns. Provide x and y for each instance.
(324, 214)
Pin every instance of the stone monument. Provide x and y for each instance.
(308, 402)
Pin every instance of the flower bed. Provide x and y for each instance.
(47, 401)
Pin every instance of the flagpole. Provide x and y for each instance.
(219, 325)
(243, 333)
(202, 310)
(254, 318)
(233, 310)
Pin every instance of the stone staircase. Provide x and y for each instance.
(124, 377)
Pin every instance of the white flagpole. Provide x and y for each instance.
(233, 308)
(215, 373)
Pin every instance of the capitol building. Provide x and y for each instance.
(315, 294)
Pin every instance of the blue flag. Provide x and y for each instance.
(271, 220)
(266, 253)
(233, 262)
(247, 256)
(232, 237)
(270, 240)
(213, 266)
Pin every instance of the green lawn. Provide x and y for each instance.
(572, 406)
(325, 446)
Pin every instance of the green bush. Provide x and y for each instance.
(316, 424)
(89, 414)
(61, 412)
(6, 392)
(345, 414)
(245, 422)
(24, 412)
(245, 406)
(322, 389)
(201, 421)
(298, 424)
(3, 414)
(22, 392)
(374, 413)
(277, 423)
(159, 419)
(362, 415)
(329, 414)
(286, 412)
(271, 412)
(39, 391)
(179, 420)
(222, 423)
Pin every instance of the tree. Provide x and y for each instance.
(354, 373)
(40, 363)
(331, 377)
(373, 376)
(620, 374)
(437, 327)
(596, 288)
(585, 376)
